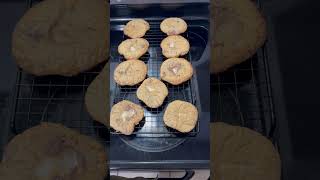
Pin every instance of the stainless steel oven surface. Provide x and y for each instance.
(153, 145)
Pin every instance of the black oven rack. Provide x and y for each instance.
(243, 96)
(153, 124)
(55, 99)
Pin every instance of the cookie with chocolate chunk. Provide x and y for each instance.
(62, 37)
(136, 28)
(133, 48)
(125, 115)
(173, 26)
(129, 73)
(175, 46)
(152, 92)
(52, 151)
(241, 152)
(181, 115)
(176, 70)
(239, 29)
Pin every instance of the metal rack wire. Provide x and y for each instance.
(242, 96)
(153, 121)
(55, 99)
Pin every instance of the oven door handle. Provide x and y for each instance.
(189, 174)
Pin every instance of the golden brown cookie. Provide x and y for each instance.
(136, 28)
(51, 151)
(176, 70)
(181, 115)
(173, 26)
(133, 48)
(239, 30)
(129, 73)
(152, 92)
(125, 115)
(62, 37)
(8, 171)
(175, 46)
(97, 97)
(243, 154)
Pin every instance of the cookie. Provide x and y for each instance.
(133, 48)
(52, 151)
(181, 115)
(176, 71)
(129, 73)
(239, 30)
(97, 97)
(125, 115)
(62, 37)
(152, 92)
(8, 171)
(241, 153)
(136, 28)
(175, 46)
(173, 26)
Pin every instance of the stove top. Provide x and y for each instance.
(153, 151)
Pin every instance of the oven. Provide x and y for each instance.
(154, 147)
(272, 93)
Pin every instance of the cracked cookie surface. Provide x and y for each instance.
(129, 73)
(176, 70)
(239, 30)
(62, 37)
(51, 151)
(133, 48)
(181, 115)
(125, 115)
(175, 46)
(136, 28)
(152, 92)
(173, 26)
(241, 153)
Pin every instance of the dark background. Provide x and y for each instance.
(294, 29)
(10, 13)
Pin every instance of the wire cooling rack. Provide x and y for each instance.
(242, 96)
(54, 99)
(153, 124)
